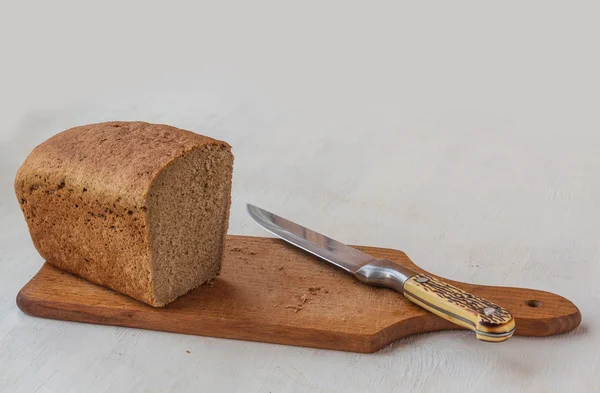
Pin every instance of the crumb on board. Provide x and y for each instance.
(343, 319)
(187, 351)
(326, 291)
(280, 268)
(296, 308)
(241, 250)
(303, 299)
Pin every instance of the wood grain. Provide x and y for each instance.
(271, 292)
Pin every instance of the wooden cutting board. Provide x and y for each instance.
(272, 292)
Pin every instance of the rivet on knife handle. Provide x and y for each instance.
(490, 322)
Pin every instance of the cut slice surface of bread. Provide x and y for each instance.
(140, 208)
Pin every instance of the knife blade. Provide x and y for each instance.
(490, 322)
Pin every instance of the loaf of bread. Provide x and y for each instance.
(139, 208)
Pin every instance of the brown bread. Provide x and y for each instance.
(140, 208)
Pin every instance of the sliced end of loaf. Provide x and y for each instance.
(188, 214)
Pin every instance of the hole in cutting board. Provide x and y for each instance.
(534, 303)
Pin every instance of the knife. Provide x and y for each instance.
(490, 322)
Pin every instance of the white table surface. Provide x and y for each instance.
(467, 135)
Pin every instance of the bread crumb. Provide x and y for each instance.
(303, 299)
(326, 291)
(343, 319)
(236, 249)
(296, 308)
(187, 351)
(280, 268)
(251, 253)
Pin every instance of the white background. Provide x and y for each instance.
(465, 134)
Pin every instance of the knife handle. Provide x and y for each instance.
(489, 321)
